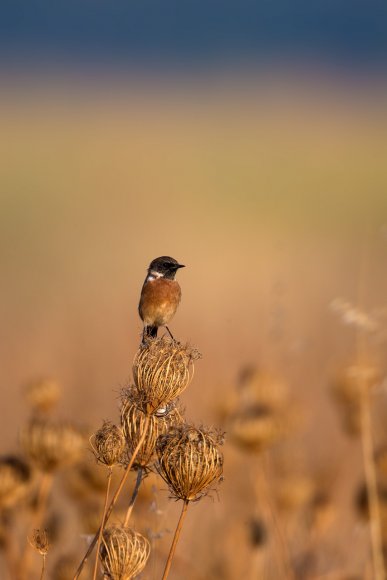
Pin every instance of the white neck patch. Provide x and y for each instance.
(153, 275)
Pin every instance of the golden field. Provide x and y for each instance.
(273, 193)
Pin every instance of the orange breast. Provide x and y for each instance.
(159, 301)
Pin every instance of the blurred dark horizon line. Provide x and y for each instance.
(273, 69)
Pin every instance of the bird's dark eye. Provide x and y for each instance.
(168, 265)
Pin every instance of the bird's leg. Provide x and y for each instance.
(144, 333)
(170, 333)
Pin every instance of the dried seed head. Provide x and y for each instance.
(162, 369)
(51, 446)
(260, 387)
(259, 414)
(42, 395)
(15, 477)
(123, 553)
(257, 427)
(87, 478)
(40, 541)
(361, 502)
(189, 461)
(258, 532)
(133, 421)
(321, 511)
(353, 379)
(108, 444)
(294, 492)
(348, 389)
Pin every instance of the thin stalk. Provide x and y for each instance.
(10, 548)
(37, 519)
(175, 539)
(366, 435)
(372, 486)
(269, 507)
(114, 499)
(102, 522)
(43, 567)
(134, 496)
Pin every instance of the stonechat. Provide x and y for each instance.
(160, 295)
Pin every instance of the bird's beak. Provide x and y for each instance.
(181, 266)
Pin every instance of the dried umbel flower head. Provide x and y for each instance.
(349, 387)
(260, 414)
(353, 379)
(189, 461)
(361, 503)
(15, 477)
(258, 532)
(257, 427)
(259, 387)
(40, 541)
(42, 395)
(321, 511)
(108, 444)
(87, 478)
(124, 553)
(294, 492)
(162, 369)
(50, 445)
(134, 421)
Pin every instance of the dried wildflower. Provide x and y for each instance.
(258, 414)
(260, 387)
(51, 446)
(87, 478)
(348, 389)
(321, 511)
(361, 501)
(162, 369)
(189, 461)
(15, 477)
(108, 444)
(353, 316)
(134, 421)
(257, 427)
(40, 541)
(294, 492)
(258, 533)
(42, 395)
(124, 553)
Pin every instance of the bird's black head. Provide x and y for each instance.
(165, 267)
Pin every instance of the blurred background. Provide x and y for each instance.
(248, 141)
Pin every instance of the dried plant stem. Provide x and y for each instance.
(43, 567)
(102, 521)
(262, 487)
(114, 499)
(44, 490)
(372, 486)
(366, 436)
(175, 539)
(10, 547)
(134, 496)
(36, 520)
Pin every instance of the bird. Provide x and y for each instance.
(160, 295)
